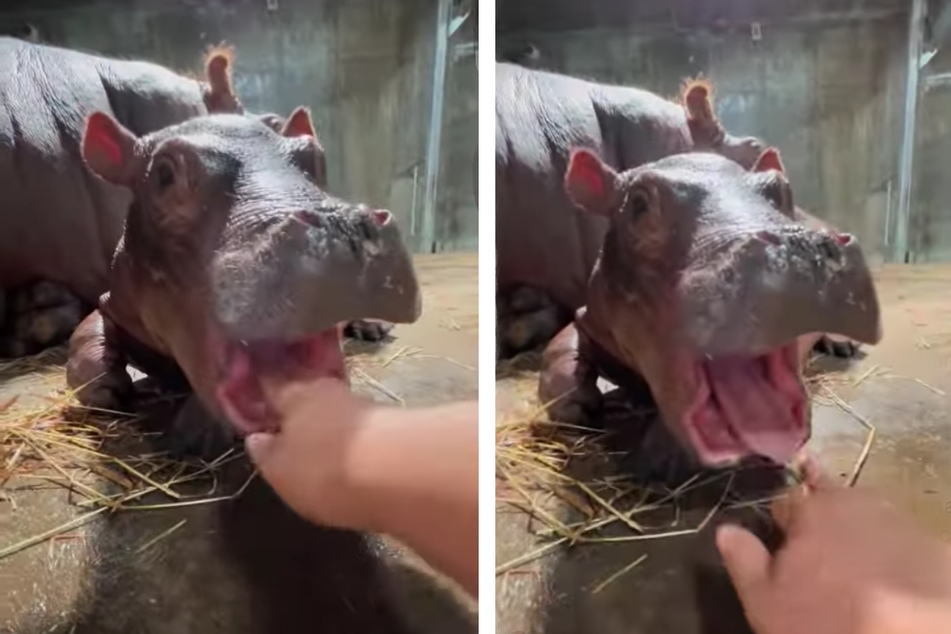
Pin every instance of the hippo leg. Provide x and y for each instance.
(372, 330)
(527, 318)
(38, 317)
(568, 384)
(96, 368)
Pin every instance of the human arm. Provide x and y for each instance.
(851, 563)
(410, 473)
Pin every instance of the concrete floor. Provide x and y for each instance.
(681, 588)
(248, 566)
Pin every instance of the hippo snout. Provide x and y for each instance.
(774, 285)
(309, 271)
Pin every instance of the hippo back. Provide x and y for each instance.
(57, 221)
(541, 239)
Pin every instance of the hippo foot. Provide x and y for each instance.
(108, 393)
(39, 317)
(837, 348)
(196, 433)
(110, 390)
(527, 319)
(583, 408)
(370, 330)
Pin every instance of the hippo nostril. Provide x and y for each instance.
(844, 239)
(381, 216)
(769, 237)
(309, 218)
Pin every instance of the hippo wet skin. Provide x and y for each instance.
(709, 291)
(234, 264)
(545, 248)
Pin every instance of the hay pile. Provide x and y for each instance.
(538, 462)
(104, 459)
(98, 456)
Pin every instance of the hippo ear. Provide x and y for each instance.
(299, 124)
(108, 149)
(590, 184)
(698, 102)
(219, 95)
(769, 160)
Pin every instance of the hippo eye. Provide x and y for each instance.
(777, 191)
(164, 174)
(638, 202)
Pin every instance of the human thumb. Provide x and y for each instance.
(261, 448)
(746, 559)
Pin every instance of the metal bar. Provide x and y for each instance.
(940, 79)
(428, 224)
(888, 215)
(413, 214)
(906, 165)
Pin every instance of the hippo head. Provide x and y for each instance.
(708, 134)
(704, 286)
(238, 262)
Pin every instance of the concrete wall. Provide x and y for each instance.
(929, 233)
(364, 67)
(827, 91)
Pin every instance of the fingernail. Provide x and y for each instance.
(258, 445)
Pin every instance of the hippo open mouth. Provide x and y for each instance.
(748, 405)
(245, 364)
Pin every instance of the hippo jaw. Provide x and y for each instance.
(745, 405)
(243, 365)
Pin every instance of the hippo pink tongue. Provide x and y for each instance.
(755, 406)
(239, 391)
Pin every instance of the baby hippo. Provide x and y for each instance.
(235, 264)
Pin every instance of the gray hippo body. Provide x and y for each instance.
(59, 225)
(58, 222)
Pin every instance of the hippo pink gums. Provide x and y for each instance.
(709, 290)
(59, 224)
(545, 247)
(234, 263)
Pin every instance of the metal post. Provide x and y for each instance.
(906, 164)
(428, 228)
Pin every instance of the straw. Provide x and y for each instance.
(620, 573)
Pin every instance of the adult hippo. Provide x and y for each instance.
(234, 264)
(545, 247)
(709, 290)
(59, 224)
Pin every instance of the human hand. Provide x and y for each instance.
(306, 461)
(851, 564)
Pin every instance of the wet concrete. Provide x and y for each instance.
(681, 588)
(251, 565)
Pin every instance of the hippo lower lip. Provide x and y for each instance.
(245, 363)
(748, 405)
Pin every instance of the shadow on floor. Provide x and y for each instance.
(681, 587)
(248, 565)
